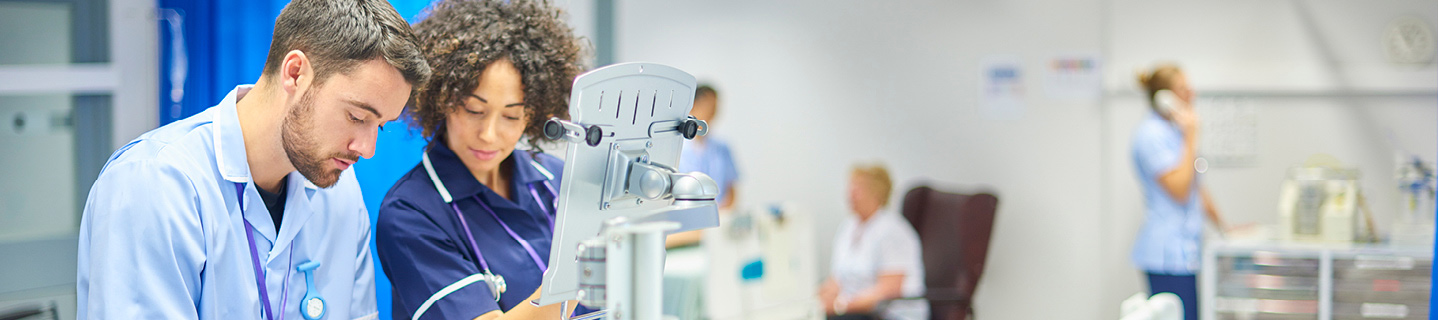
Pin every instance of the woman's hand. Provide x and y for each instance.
(525, 310)
(1242, 231)
(827, 294)
(887, 286)
(1186, 121)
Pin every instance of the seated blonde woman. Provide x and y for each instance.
(876, 256)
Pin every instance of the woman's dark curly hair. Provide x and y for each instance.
(461, 37)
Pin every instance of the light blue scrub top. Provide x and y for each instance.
(162, 235)
(1170, 240)
(712, 158)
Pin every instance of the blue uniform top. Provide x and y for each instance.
(163, 235)
(712, 158)
(422, 246)
(1169, 242)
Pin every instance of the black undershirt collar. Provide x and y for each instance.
(275, 202)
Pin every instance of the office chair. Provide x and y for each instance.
(954, 230)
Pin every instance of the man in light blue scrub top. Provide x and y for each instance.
(248, 210)
(710, 155)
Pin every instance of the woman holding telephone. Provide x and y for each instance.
(1165, 157)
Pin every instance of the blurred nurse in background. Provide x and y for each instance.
(709, 155)
(1164, 154)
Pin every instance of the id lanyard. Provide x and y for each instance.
(495, 282)
(464, 223)
(312, 306)
(523, 243)
(255, 258)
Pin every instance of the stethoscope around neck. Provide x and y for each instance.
(496, 283)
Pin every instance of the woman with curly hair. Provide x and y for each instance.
(466, 233)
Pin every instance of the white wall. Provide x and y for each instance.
(810, 87)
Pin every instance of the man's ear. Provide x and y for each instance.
(295, 72)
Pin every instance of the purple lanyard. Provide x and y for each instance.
(255, 258)
(554, 205)
(524, 243)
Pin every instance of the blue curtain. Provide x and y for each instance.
(224, 44)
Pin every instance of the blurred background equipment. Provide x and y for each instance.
(760, 264)
(1162, 306)
(32, 311)
(63, 109)
(1414, 224)
(1271, 280)
(1320, 202)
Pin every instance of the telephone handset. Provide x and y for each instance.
(1166, 102)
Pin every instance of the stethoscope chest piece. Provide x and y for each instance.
(312, 306)
(497, 287)
(496, 283)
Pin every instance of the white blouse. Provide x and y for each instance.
(884, 244)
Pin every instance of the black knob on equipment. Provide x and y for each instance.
(592, 135)
(553, 130)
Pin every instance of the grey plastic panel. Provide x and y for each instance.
(625, 100)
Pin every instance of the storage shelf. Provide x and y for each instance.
(1277, 280)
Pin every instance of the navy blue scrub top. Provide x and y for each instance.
(422, 247)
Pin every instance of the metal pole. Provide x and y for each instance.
(648, 276)
(619, 284)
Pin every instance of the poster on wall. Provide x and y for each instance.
(1228, 129)
(1073, 78)
(1002, 91)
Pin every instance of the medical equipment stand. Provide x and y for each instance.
(638, 292)
(622, 269)
(621, 195)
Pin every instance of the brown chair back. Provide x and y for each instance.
(954, 230)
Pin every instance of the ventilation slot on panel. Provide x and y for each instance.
(639, 100)
(601, 101)
(653, 104)
(619, 105)
(635, 116)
